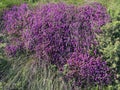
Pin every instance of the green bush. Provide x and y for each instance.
(110, 38)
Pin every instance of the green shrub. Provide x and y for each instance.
(110, 38)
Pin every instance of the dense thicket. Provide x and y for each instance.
(60, 34)
(110, 39)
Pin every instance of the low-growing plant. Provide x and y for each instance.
(55, 34)
(110, 38)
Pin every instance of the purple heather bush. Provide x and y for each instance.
(10, 50)
(88, 70)
(57, 33)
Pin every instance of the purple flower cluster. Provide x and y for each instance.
(11, 50)
(15, 19)
(88, 70)
(62, 34)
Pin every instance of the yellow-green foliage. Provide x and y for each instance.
(8, 3)
(110, 38)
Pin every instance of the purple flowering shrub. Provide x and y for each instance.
(62, 34)
(15, 23)
(88, 70)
